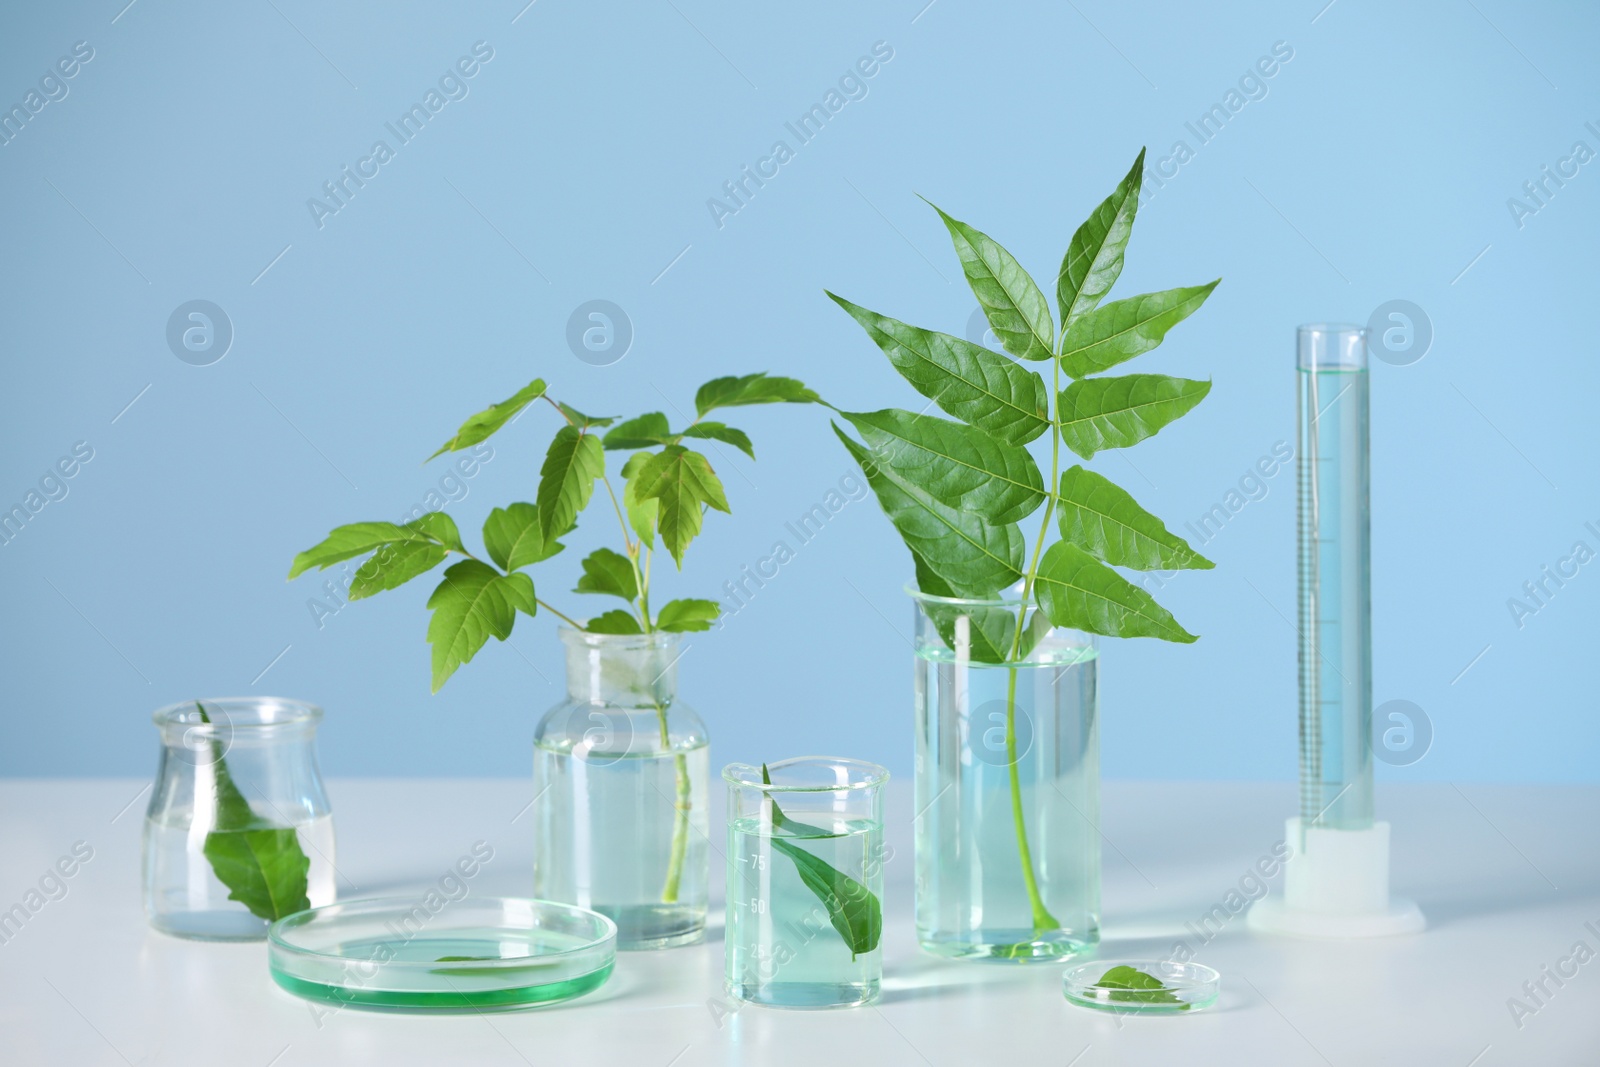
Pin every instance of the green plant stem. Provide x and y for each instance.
(1043, 921)
(564, 618)
(680, 820)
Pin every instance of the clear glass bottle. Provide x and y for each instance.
(1007, 783)
(238, 831)
(619, 776)
(805, 882)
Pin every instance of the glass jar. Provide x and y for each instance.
(619, 778)
(1007, 782)
(238, 832)
(805, 882)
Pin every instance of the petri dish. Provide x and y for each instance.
(480, 954)
(1142, 987)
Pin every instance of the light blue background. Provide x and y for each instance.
(1378, 166)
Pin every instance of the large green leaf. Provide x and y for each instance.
(646, 431)
(1001, 397)
(1094, 256)
(1101, 517)
(1129, 985)
(1098, 413)
(610, 573)
(719, 431)
(514, 539)
(347, 542)
(685, 485)
(751, 389)
(853, 909)
(491, 418)
(682, 616)
(1010, 300)
(264, 869)
(1076, 590)
(954, 463)
(566, 481)
(473, 602)
(1123, 329)
(394, 565)
(260, 862)
(642, 513)
(971, 557)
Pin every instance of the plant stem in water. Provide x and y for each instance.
(680, 820)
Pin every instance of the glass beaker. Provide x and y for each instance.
(805, 882)
(1007, 782)
(619, 778)
(238, 832)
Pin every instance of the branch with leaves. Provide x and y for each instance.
(957, 490)
(667, 488)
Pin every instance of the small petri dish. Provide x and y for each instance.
(1142, 987)
(480, 954)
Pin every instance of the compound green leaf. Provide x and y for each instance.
(1101, 517)
(1108, 335)
(999, 396)
(491, 418)
(1099, 413)
(1010, 300)
(685, 485)
(347, 542)
(395, 564)
(1094, 256)
(956, 464)
(471, 604)
(1078, 591)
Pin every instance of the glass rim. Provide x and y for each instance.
(986, 602)
(238, 713)
(655, 639)
(1329, 328)
(871, 775)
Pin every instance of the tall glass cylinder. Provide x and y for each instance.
(805, 882)
(239, 832)
(1007, 782)
(619, 775)
(1335, 578)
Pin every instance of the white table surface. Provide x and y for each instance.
(1507, 876)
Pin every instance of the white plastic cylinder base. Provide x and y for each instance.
(1336, 885)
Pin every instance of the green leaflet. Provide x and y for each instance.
(1099, 413)
(972, 558)
(1078, 591)
(1123, 329)
(347, 542)
(685, 485)
(610, 573)
(440, 527)
(260, 862)
(1010, 300)
(1094, 258)
(615, 621)
(490, 419)
(566, 481)
(514, 539)
(581, 421)
(958, 465)
(1133, 986)
(1101, 517)
(642, 513)
(751, 389)
(682, 616)
(473, 602)
(719, 431)
(646, 431)
(1004, 399)
(853, 910)
(394, 565)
